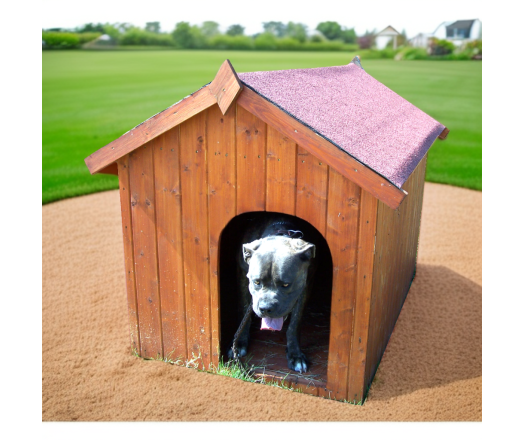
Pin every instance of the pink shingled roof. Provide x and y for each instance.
(354, 111)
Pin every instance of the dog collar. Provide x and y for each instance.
(290, 233)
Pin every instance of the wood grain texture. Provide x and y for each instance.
(166, 150)
(150, 129)
(194, 187)
(365, 272)
(342, 162)
(221, 202)
(280, 172)
(226, 86)
(312, 189)
(397, 238)
(141, 173)
(129, 266)
(342, 236)
(251, 162)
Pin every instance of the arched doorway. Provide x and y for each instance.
(267, 348)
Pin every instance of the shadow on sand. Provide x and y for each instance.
(437, 338)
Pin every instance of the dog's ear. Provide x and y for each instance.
(249, 248)
(304, 249)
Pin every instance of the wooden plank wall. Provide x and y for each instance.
(364, 276)
(184, 188)
(342, 231)
(169, 238)
(129, 265)
(395, 263)
(222, 201)
(142, 191)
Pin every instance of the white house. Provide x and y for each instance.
(462, 31)
(384, 37)
(459, 32)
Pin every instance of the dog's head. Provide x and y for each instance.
(278, 269)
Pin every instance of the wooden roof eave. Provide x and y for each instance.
(330, 154)
(223, 90)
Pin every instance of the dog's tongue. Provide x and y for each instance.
(272, 323)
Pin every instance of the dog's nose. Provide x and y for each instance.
(265, 308)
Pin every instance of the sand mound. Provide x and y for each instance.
(431, 369)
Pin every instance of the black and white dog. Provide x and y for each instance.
(277, 263)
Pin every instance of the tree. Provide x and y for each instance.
(349, 36)
(186, 36)
(210, 29)
(91, 27)
(123, 27)
(235, 29)
(276, 28)
(330, 29)
(297, 31)
(111, 30)
(153, 26)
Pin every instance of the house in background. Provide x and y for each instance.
(459, 32)
(462, 31)
(441, 31)
(420, 40)
(384, 37)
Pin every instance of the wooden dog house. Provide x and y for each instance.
(332, 146)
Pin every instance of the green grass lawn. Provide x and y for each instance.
(91, 98)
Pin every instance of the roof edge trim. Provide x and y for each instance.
(150, 129)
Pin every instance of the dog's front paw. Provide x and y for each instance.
(297, 362)
(242, 350)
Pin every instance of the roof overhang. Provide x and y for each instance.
(223, 90)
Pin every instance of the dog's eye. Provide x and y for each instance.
(257, 282)
(286, 284)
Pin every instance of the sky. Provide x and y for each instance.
(409, 15)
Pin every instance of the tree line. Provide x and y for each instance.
(276, 35)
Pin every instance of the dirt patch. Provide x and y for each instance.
(431, 369)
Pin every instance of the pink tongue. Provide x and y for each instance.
(272, 324)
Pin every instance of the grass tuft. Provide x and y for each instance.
(230, 368)
(244, 372)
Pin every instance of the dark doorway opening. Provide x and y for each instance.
(267, 348)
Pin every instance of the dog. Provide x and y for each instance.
(277, 265)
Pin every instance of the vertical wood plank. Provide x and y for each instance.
(194, 186)
(365, 271)
(418, 187)
(251, 162)
(127, 235)
(342, 235)
(397, 236)
(145, 250)
(312, 189)
(169, 243)
(221, 202)
(280, 172)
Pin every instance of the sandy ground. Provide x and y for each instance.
(431, 369)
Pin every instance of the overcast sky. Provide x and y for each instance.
(413, 16)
